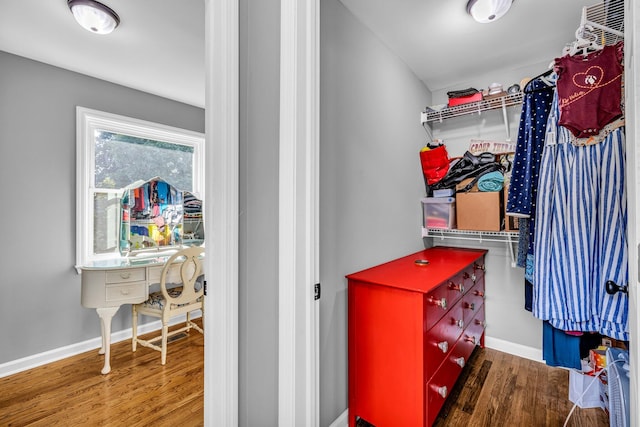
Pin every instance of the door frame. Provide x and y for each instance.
(221, 174)
(298, 310)
(298, 386)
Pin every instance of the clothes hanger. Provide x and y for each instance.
(586, 42)
(550, 84)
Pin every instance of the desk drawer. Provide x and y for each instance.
(173, 274)
(125, 276)
(126, 293)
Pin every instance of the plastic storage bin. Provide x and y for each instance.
(439, 212)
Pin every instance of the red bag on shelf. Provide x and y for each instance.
(435, 164)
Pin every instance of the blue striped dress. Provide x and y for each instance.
(581, 233)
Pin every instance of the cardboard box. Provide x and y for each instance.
(510, 222)
(464, 183)
(480, 210)
(439, 212)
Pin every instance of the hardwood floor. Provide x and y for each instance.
(138, 391)
(498, 389)
(495, 390)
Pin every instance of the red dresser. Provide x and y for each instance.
(412, 327)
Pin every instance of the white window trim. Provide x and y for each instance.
(87, 122)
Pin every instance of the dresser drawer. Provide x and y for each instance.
(125, 276)
(439, 387)
(442, 337)
(126, 293)
(478, 269)
(472, 301)
(437, 303)
(476, 327)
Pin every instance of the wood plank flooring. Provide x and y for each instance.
(138, 391)
(498, 389)
(495, 390)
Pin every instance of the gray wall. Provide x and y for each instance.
(258, 260)
(40, 305)
(370, 187)
(370, 177)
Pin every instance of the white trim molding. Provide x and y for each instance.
(221, 175)
(632, 129)
(520, 350)
(50, 356)
(298, 395)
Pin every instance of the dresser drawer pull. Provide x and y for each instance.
(125, 274)
(124, 291)
(478, 266)
(460, 323)
(460, 361)
(473, 277)
(442, 391)
(443, 346)
(465, 276)
(481, 322)
(455, 287)
(479, 293)
(471, 306)
(439, 302)
(470, 339)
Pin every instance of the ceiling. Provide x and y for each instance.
(157, 48)
(159, 45)
(443, 45)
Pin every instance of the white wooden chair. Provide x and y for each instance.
(180, 293)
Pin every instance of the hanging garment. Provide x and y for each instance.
(560, 348)
(524, 176)
(531, 134)
(523, 241)
(589, 90)
(581, 233)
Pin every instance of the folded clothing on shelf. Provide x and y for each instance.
(458, 97)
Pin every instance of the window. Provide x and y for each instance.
(114, 151)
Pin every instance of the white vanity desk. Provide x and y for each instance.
(108, 284)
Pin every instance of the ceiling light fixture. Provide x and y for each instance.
(94, 16)
(485, 11)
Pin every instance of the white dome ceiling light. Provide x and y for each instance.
(94, 16)
(485, 11)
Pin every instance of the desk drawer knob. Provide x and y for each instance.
(460, 323)
(442, 391)
(481, 322)
(460, 361)
(124, 291)
(479, 293)
(473, 277)
(439, 302)
(443, 346)
(470, 339)
(478, 267)
(125, 274)
(471, 306)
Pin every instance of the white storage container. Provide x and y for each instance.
(439, 212)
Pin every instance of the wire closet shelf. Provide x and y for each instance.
(605, 19)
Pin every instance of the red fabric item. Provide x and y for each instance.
(465, 99)
(435, 164)
(589, 90)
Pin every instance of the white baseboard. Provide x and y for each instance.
(520, 350)
(33, 361)
(342, 420)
